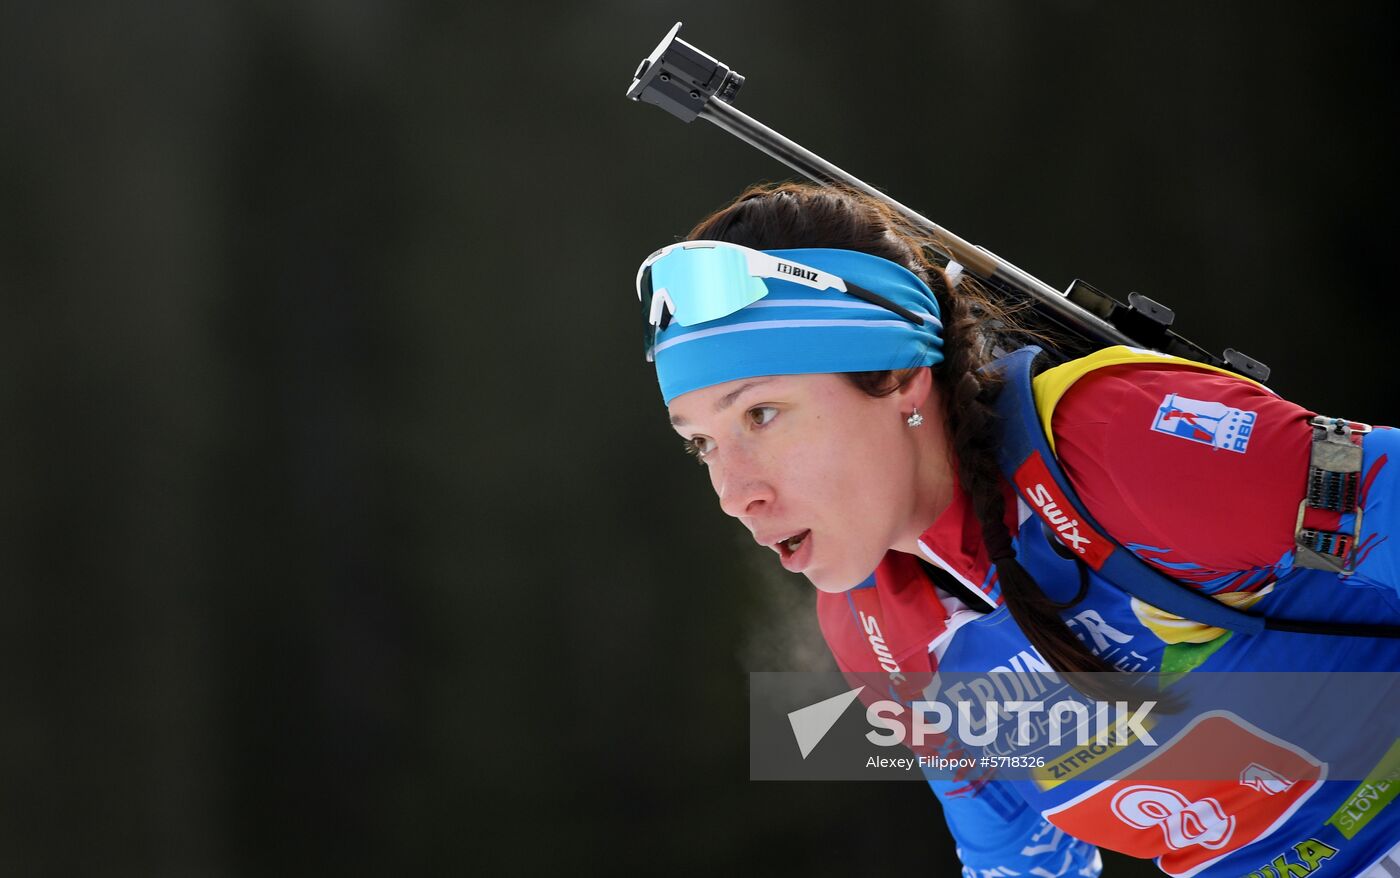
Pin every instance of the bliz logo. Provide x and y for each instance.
(1209, 423)
(784, 268)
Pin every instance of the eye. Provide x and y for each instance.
(760, 415)
(699, 446)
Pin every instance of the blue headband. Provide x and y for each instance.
(795, 330)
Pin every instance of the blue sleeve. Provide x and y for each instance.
(1377, 555)
(997, 834)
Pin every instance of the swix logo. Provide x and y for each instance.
(784, 268)
(1035, 482)
(1184, 823)
(877, 643)
(1066, 527)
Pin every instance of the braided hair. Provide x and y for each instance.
(794, 215)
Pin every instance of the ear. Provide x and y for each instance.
(919, 392)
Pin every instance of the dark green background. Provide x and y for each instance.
(342, 528)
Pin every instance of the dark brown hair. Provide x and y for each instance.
(795, 215)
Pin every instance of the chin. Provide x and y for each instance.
(832, 583)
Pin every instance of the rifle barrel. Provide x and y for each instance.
(978, 260)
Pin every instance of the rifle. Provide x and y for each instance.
(686, 82)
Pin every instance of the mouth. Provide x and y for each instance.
(795, 551)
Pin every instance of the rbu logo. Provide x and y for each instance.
(1210, 423)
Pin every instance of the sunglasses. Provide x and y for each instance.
(698, 281)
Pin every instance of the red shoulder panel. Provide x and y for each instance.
(1197, 472)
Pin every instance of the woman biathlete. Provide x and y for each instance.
(840, 388)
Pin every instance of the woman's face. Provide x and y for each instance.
(812, 456)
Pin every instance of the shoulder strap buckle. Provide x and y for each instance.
(1334, 485)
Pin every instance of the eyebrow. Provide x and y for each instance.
(725, 401)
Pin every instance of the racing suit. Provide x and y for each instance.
(1200, 474)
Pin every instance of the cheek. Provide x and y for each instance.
(874, 462)
(865, 481)
(894, 471)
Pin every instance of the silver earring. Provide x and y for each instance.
(915, 419)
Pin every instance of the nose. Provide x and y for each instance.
(741, 484)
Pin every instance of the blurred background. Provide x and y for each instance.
(342, 526)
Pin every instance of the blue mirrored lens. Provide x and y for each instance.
(706, 283)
